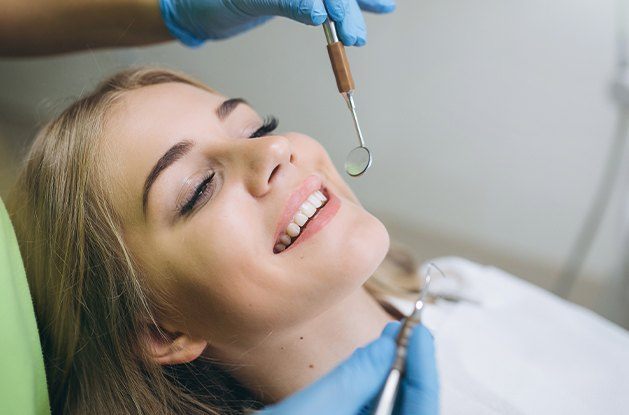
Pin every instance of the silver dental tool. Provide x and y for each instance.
(388, 396)
(359, 159)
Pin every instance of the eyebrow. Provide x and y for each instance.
(182, 148)
(228, 106)
(172, 155)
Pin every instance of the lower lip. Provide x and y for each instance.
(321, 219)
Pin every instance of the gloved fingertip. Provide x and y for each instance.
(422, 336)
(377, 6)
(426, 333)
(391, 329)
(387, 8)
(423, 342)
(378, 353)
(348, 40)
(311, 13)
(361, 36)
(318, 19)
(336, 9)
(421, 365)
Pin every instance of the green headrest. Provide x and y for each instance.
(22, 376)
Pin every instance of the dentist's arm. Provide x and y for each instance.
(351, 388)
(40, 27)
(43, 27)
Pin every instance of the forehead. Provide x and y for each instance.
(158, 105)
(146, 122)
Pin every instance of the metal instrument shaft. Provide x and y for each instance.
(361, 159)
(388, 396)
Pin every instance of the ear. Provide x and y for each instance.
(172, 347)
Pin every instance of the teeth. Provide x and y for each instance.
(293, 229)
(300, 219)
(315, 200)
(308, 209)
(285, 239)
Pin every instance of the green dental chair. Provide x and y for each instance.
(22, 377)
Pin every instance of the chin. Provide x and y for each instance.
(366, 249)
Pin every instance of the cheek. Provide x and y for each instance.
(360, 246)
(223, 280)
(336, 262)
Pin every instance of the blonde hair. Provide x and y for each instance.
(92, 309)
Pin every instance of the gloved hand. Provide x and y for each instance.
(195, 21)
(351, 388)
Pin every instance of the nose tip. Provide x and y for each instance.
(269, 157)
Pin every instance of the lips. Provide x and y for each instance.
(306, 211)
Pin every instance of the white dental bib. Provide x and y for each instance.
(522, 350)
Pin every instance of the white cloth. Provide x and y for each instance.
(522, 350)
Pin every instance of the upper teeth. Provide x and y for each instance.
(306, 211)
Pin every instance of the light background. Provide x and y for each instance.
(489, 121)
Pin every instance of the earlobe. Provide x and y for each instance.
(167, 348)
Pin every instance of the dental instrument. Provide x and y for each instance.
(359, 159)
(388, 396)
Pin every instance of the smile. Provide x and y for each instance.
(307, 211)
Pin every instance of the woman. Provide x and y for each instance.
(183, 257)
(56, 26)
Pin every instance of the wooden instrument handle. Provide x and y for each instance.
(340, 67)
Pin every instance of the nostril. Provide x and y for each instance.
(273, 172)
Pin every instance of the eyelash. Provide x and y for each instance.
(198, 192)
(269, 125)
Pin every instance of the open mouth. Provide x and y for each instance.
(304, 215)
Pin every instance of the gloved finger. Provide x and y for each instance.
(421, 369)
(348, 387)
(239, 28)
(337, 9)
(377, 6)
(310, 12)
(420, 387)
(392, 329)
(352, 30)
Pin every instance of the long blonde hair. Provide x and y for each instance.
(92, 309)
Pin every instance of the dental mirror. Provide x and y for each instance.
(358, 161)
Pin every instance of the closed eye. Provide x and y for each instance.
(270, 124)
(201, 192)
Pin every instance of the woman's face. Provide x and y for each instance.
(204, 207)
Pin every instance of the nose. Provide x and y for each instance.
(264, 160)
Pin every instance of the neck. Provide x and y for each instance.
(289, 361)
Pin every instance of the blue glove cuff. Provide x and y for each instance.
(167, 10)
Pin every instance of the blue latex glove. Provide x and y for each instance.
(351, 388)
(195, 21)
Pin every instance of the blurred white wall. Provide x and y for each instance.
(488, 120)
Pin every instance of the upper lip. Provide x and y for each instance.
(295, 200)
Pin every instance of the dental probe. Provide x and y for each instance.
(388, 396)
(359, 159)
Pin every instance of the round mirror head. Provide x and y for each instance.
(358, 161)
